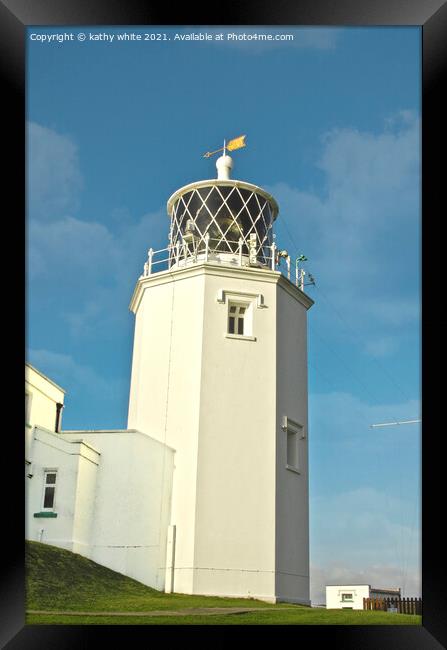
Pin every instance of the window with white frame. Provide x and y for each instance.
(239, 315)
(237, 318)
(345, 598)
(49, 489)
(294, 433)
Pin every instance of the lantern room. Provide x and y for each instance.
(222, 219)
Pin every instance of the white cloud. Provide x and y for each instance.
(344, 420)
(365, 535)
(68, 245)
(97, 268)
(54, 179)
(394, 311)
(381, 347)
(361, 231)
(371, 181)
(367, 527)
(95, 265)
(73, 376)
(373, 167)
(370, 514)
(376, 575)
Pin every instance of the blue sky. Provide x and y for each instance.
(333, 132)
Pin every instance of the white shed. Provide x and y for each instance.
(351, 596)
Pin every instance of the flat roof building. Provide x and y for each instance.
(351, 596)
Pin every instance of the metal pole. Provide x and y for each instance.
(273, 249)
(195, 247)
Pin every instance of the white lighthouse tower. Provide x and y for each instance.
(219, 374)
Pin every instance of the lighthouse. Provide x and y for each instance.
(219, 375)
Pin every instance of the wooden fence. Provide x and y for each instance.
(402, 605)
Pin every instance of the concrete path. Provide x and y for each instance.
(193, 611)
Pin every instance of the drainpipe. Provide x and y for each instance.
(59, 408)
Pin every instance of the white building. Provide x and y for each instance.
(206, 492)
(44, 401)
(103, 494)
(351, 596)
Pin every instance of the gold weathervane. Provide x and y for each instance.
(236, 143)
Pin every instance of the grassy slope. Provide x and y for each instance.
(58, 580)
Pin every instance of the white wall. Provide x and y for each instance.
(292, 491)
(235, 509)
(165, 392)
(42, 395)
(87, 481)
(112, 501)
(130, 500)
(49, 451)
(213, 399)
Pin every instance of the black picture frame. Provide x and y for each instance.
(431, 16)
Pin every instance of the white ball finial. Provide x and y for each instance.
(224, 166)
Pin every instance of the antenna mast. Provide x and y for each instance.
(390, 424)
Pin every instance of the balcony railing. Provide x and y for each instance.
(187, 253)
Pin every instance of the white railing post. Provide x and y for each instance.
(273, 249)
(145, 269)
(303, 273)
(149, 261)
(240, 250)
(296, 273)
(207, 246)
(177, 252)
(288, 266)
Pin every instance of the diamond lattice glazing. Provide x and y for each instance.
(226, 214)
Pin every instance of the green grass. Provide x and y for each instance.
(61, 581)
(302, 616)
